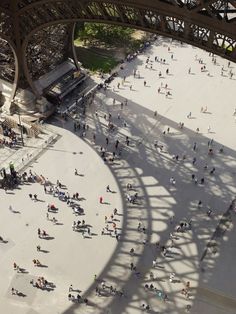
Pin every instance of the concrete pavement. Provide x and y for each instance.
(74, 260)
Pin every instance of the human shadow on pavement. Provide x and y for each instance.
(44, 251)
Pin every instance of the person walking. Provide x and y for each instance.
(70, 288)
(172, 276)
(172, 181)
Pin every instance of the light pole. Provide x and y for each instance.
(21, 128)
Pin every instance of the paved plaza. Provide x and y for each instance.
(175, 149)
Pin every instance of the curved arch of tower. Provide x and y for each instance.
(37, 35)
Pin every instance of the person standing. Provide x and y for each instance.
(39, 232)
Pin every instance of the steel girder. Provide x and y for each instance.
(7, 62)
(47, 48)
(35, 26)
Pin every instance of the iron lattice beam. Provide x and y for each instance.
(47, 48)
(33, 27)
(7, 62)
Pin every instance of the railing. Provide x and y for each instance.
(25, 155)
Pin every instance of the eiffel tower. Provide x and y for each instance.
(37, 35)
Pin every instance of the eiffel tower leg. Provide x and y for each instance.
(9, 72)
(73, 50)
(41, 51)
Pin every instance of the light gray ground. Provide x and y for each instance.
(70, 259)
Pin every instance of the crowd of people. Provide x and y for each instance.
(9, 137)
(114, 147)
(111, 150)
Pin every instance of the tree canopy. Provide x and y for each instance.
(109, 34)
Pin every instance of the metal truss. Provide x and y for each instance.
(40, 31)
(47, 48)
(7, 62)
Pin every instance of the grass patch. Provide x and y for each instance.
(229, 48)
(95, 62)
(101, 47)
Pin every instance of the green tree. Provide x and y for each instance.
(107, 34)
